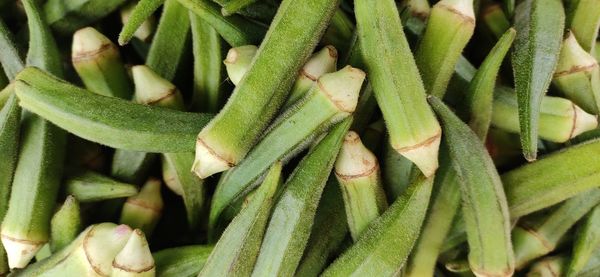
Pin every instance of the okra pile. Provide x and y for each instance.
(409, 138)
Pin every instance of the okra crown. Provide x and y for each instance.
(135, 257)
(102, 243)
(88, 44)
(342, 87)
(320, 63)
(354, 159)
(152, 89)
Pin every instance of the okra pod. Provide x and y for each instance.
(586, 242)
(238, 61)
(88, 186)
(65, 225)
(592, 268)
(132, 166)
(531, 242)
(238, 248)
(139, 127)
(136, 20)
(340, 34)
(291, 221)
(584, 22)
(234, 6)
(495, 20)
(98, 63)
(397, 84)
(207, 66)
(151, 89)
(143, 210)
(577, 75)
(10, 56)
(550, 266)
(539, 26)
(135, 259)
(181, 261)
(10, 119)
(66, 17)
(372, 255)
(357, 171)
(331, 100)
(414, 15)
(5, 93)
(559, 118)
(227, 139)
(449, 27)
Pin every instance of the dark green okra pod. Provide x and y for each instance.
(142, 11)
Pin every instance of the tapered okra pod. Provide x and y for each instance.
(137, 19)
(143, 210)
(228, 138)
(584, 21)
(181, 261)
(577, 75)
(357, 171)
(88, 186)
(65, 224)
(98, 63)
(237, 249)
(397, 84)
(207, 66)
(586, 242)
(449, 28)
(539, 25)
(485, 208)
(66, 17)
(135, 259)
(234, 6)
(559, 118)
(331, 100)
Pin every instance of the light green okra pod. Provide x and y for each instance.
(142, 11)
(229, 137)
(592, 268)
(238, 248)
(145, 30)
(495, 20)
(143, 210)
(584, 21)
(539, 25)
(9, 56)
(207, 66)
(290, 224)
(10, 119)
(449, 28)
(181, 261)
(89, 186)
(234, 6)
(550, 266)
(68, 16)
(587, 240)
(65, 225)
(413, 129)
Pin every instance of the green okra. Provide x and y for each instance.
(143, 210)
(531, 242)
(485, 207)
(584, 21)
(10, 56)
(365, 109)
(592, 268)
(372, 255)
(234, 6)
(329, 230)
(495, 20)
(152, 89)
(168, 45)
(549, 266)
(89, 186)
(587, 240)
(234, 29)
(449, 27)
(207, 66)
(339, 34)
(596, 51)
(397, 84)
(135, 259)
(10, 118)
(444, 205)
(559, 118)
(357, 170)
(66, 17)
(132, 166)
(43, 52)
(5, 93)
(99, 119)
(539, 26)
(238, 61)
(238, 248)
(229, 137)
(137, 19)
(414, 14)
(397, 172)
(291, 221)
(98, 63)
(481, 89)
(145, 30)
(65, 225)
(509, 7)
(181, 261)
(577, 75)
(331, 100)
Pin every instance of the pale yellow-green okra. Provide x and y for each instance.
(89, 186)
(135, 258)
(181, 261)
(65, 225)
(143, 210)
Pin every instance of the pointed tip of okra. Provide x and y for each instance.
(207, 162)
(354, 159)
(322, 62)
(461, 7)
(135, 257)
(238, 61)
(573, 58)
(152, 89)
(143, 32)
(20, 251)
(343, 87)
(582, 122)
(89, 43)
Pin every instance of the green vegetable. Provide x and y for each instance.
(181, 261)
(68, 16)
(142, 11)
(144, 209)
(65, 224)
(584, 22)
(586, 242)
(88, 186)
(207, 66)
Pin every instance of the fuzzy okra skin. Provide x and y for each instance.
(290, 224)
(100, 119)
(331, 100)
(207, 66)
(539, 25)
(181, 261)
(89, 186)
(226, 140)
(413, 128)
(372, 255)
(10, 119)
(66, 17)
(10, 57)
(449, 27)
(65, 224)
(587, 240)
(142, 11)
(145, 30)
(584, 22)
(237, 249)
(485, 207)
(234, 6)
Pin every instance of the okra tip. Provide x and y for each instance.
(320, 63)
(88, 44)
(343, 87)
(20, 251)
(354, 159)
(135, 257)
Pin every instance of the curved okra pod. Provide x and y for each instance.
(397, 84)
(587, 240)
(291, 221)
(333, 99)
(449, 27)
(207, 66)
(577, 75)
(137, 18)
(140, 127)
(144, 209)
(65, 224)
(357, 171)
(229, 137)
(88, 186)
(372, 255)
(135, 259)
(539, 26)
(559, 118)
(584, 21)
(237, 249)
(485, 208)
(98, 63)
(181, 261)
(66, 17)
